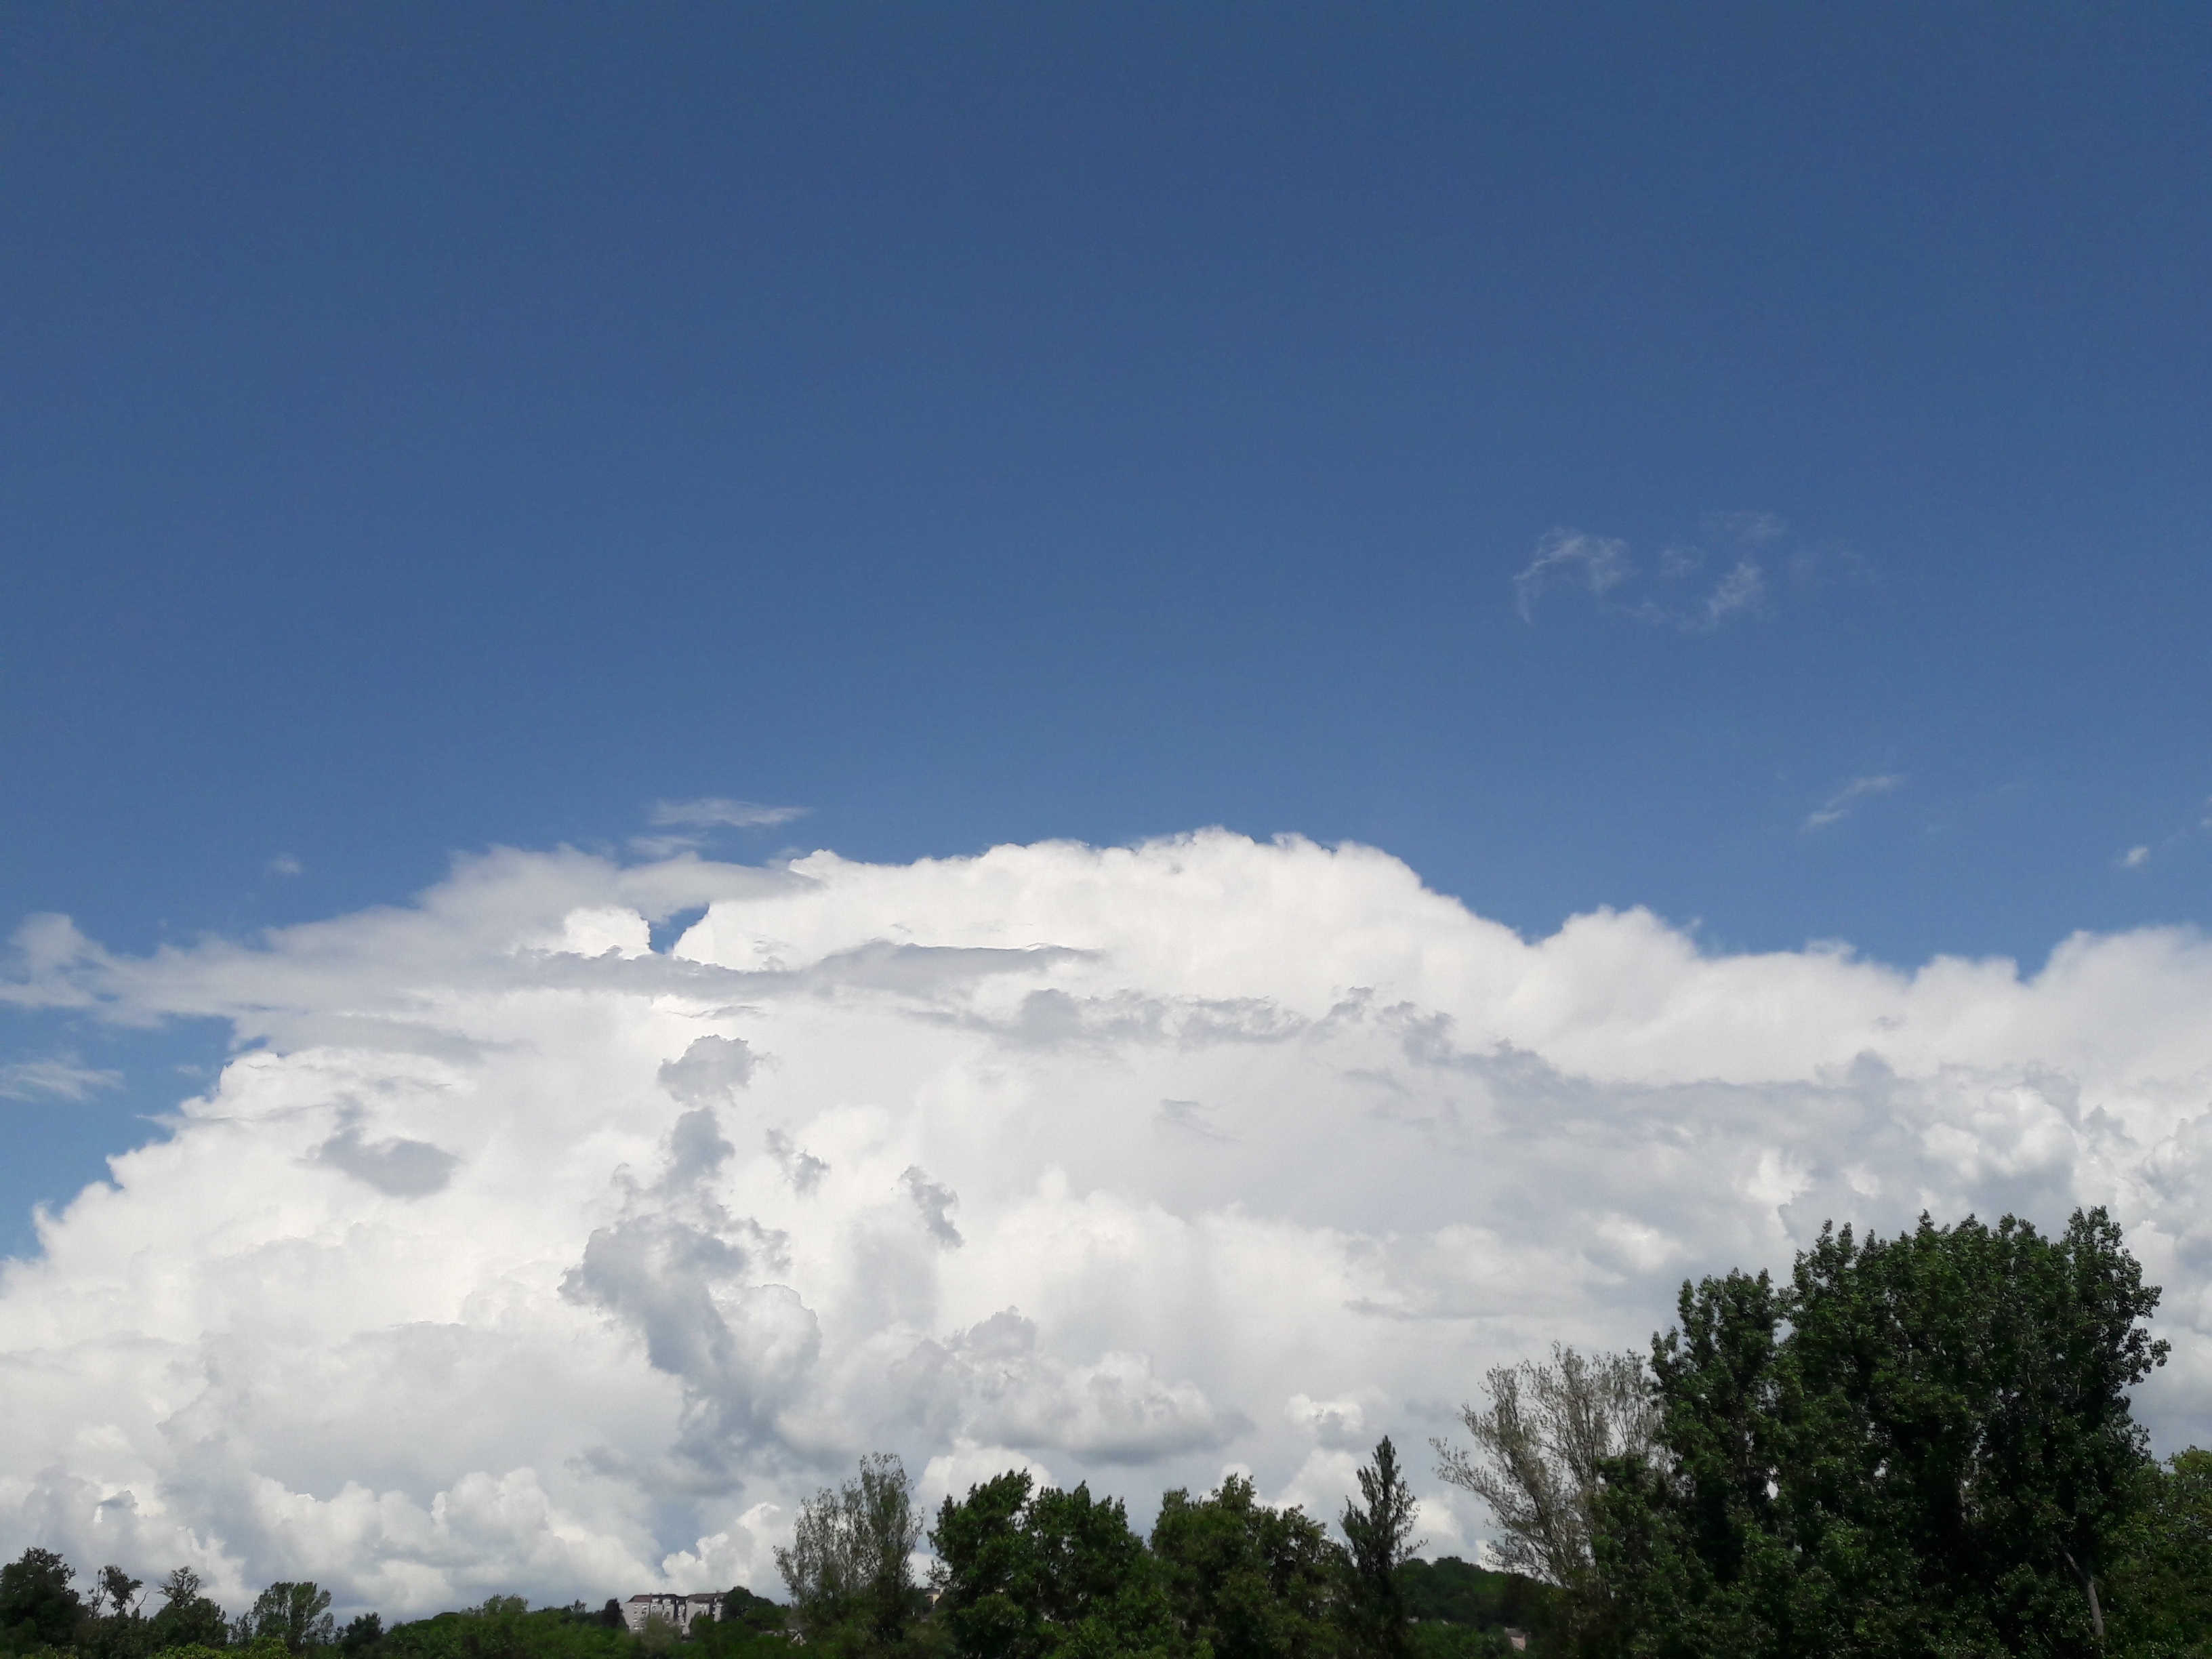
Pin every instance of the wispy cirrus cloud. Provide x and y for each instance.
(1594, 563)
(713, 811)
(1696, 586)
(1841, 805)
(57, 1077)
(690, 822)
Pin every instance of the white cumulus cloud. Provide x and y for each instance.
(511, 1254)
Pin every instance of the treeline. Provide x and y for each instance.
(1224, 1576)
(1022, 1572)
(42, 1612)
(1914, 1448)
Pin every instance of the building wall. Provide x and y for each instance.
(678, 1610)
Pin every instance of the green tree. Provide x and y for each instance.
(1541, 1446)
(1379, 1529)
(505, 1625)
(849, 1563)
(116, 1591)
(298, 1615)
(2160, 1604)
(1441, 1641)
(749, 1626)
(1022, 1573)
(38, 1609)
(1247, 1580)
(186, 1617)
(1920, 1446)
(112, 1626)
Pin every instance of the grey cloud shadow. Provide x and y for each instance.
(711, 1067)
(1190, 1117)
(403, 1168)
(1857, 1144)
(1052, 1018)
(923, 970)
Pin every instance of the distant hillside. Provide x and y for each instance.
(1448, 1590)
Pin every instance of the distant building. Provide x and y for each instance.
(678, 1610)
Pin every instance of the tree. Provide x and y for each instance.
(1379, 1530)
(1246, 1581)
(754, 1612)
(118, 1591)
(1022, 1573)
(298, 1615)
(1921, 1445)
(504, 1627)
(113, 1627)
(2160, 1606)
(1541, 1449)
(38, 1609)
(186, 1616)
(849, 1562)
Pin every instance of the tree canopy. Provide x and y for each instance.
(1920, 1445)
(1243, 1580)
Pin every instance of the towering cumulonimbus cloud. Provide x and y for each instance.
(511, 1254)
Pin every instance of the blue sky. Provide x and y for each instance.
(427, 430)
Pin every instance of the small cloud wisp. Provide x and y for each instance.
(1600, 565)
(1840, 806)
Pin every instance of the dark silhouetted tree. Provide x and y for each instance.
(38, 1609)
(1379, 1530)
(186, 1617)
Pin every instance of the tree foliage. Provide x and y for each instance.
(1920, 1445)
(1023, 1573)
(506, 1627)
(849, 1565)
(186, 1617)
(2161, 1605)
(1245, 1581)
(1378, 1527)
(296, 1615)
(38, 1607)
(1540, 1447)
